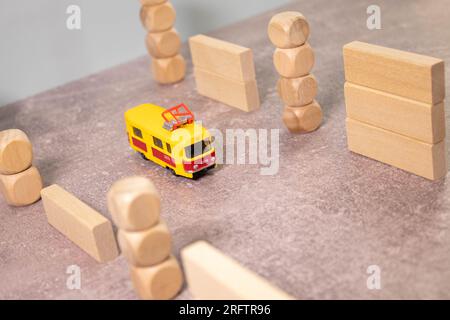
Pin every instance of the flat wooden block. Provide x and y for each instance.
(134, 203)
(80, 223)
(164, 44)
(288, 30)
(303, 119)
(160, 282)
(418, 120)
(402, 73)
(169, 70)
(297, 92)
(294, 63)
(23, 188)
(423, 159)
(241, 95)
(16, 152)
(211, 275)
(148, 247)
(157, 18)
(222, 58)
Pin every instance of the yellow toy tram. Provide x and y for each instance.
(171, 138)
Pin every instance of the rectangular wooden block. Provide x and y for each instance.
(80, 223)
(223, 58)
(211, 275)
(402, 73)
(418, 120)
(241, 95)
(423, 159)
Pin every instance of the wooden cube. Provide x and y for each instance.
(134, 204)
(16, 152)
(23, 188)
(159, 17)
(164, 44)
(288, 30)
(169, 70)
(160, 282)
(294, 63)
(303, 119)
(146, 248)
(297, 92)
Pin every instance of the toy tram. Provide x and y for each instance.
(171, 138)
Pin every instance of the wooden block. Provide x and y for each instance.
(398, 72)
(134, 204)
(148, 247)
(288, 30)
(151, 2)
(241, 95)
(294, 63)
(159, 17)
(297, 92)
(222, 58)
(423, 159)
(418, 120)
(160, 282)
(303, 119)
(169, 70)
(84, 226)
(23, 188)
(16, 152)
(164, 44)
(211, 275)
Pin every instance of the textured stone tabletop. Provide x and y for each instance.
(312, 229)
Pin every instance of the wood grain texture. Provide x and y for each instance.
(418, 120)
(303, 119)
(294, 63)
(21, 189)
(169, 70)
(134, 203)
(402, 73)
(224, 58)
(84, 226)
(288, 29)
(146, 248)
(241, 95)
(423, 159)
(157, 18)
(16, 152)
(151, 2)
(159, 282)
(211, 275)
(297, 92)
(164, 44)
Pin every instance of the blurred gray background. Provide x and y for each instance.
(39, 52)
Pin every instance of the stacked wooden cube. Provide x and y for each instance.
(163, 42)
(144, 239)
(20, 182)
(293, 60)
(395, 108)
